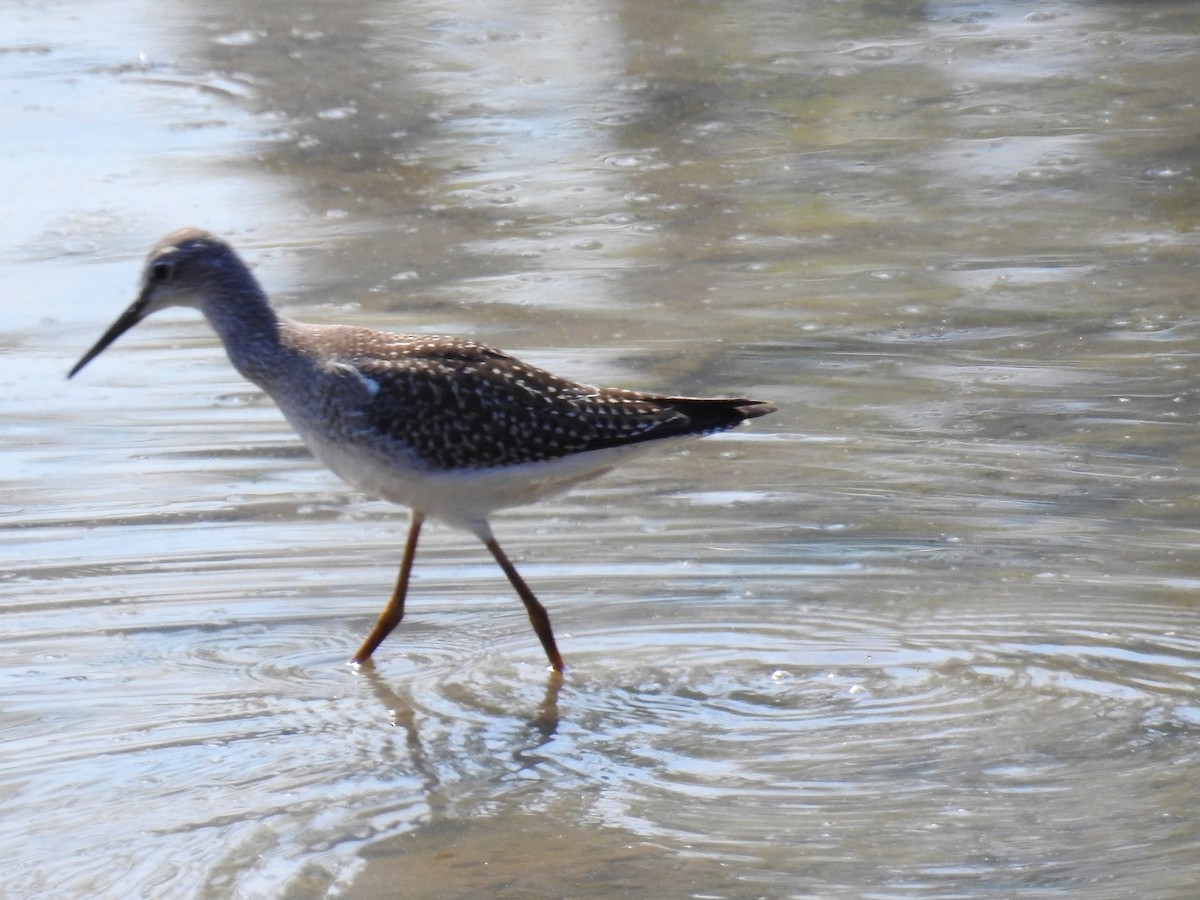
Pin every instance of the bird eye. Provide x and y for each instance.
(160, 272)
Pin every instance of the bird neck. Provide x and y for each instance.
(249, 328)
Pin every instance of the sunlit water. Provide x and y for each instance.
(930, 630)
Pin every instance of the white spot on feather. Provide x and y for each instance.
(370, 384)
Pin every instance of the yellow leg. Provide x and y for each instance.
(537, 612)
(394, 611)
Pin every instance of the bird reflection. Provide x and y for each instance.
(402, 712)
(545, 722)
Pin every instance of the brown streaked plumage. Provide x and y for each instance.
(451, 428)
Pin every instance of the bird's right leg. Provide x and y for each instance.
(394, 611)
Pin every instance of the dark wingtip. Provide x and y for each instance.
(706, 415)
(752, 409)
(717, 414)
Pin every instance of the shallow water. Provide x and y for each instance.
(929, 630)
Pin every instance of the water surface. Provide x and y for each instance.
(929, 630)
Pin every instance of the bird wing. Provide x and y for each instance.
(458, 404)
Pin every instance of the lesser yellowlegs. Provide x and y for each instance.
(450, 428)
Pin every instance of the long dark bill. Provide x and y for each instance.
(134, 314)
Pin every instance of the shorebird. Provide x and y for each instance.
(451, 428)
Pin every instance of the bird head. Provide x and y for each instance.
(184, 269)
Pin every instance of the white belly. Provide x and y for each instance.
(466, 497)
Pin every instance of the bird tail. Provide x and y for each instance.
(707, 414)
